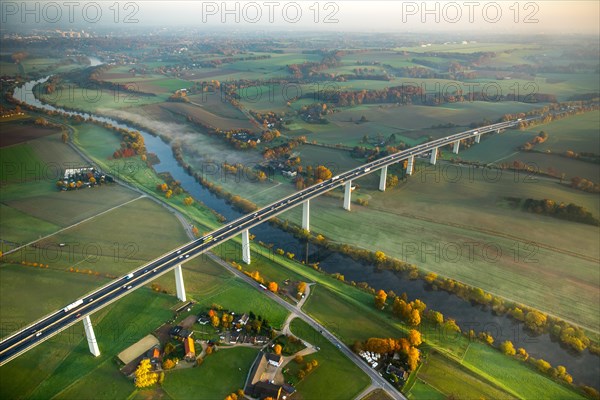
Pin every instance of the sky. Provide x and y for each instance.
(367, 16)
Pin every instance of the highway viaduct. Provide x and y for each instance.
(35, 333)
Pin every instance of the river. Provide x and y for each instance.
(584, 367)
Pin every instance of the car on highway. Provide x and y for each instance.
(128, 287)
(38, 334)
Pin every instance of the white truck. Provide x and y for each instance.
(73, 305)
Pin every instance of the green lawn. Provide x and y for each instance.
(35, 65)
(97, 246)
(96, 100)
(513, 375)
(336, 377)
(342, 317)
(19, 164)
(221, 373)
(451, 380)
(336, 160)
(557, 165)
(19, 227)
(422, 391)
(97, 141)
(103, 382)
(67, 208)
(493, 148)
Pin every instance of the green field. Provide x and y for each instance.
(392, 58)
(37, 65)
(557, 165)
(421, 390)
(98, 246)
(578, 133)
(411, 124)
(16, 160)
(96, 100)
(228, 367)
(336, 377)
(199, 113)
(493, 148)
(471, 47)
(445, 377)
(513, 375)
(342, 318)
(336, 160)
(18, 227)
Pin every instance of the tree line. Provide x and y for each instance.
(569, 212)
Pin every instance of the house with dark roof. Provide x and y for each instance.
(179, 333)
(266, 389)
(399, 372)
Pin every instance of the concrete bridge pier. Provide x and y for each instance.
(410, 166)
(306, 215)
(347, 195)
(456, 146)
(246, 246)
(383, 179)
(433, 158)
(91, 338)
(179, 283)
(477, 138)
